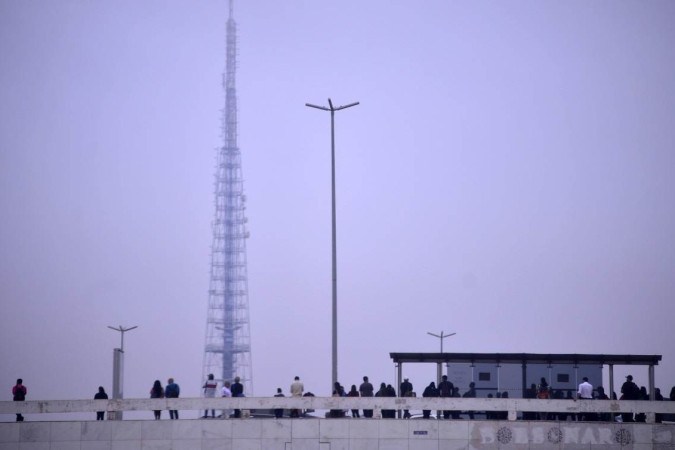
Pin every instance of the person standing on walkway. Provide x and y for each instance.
(354, 393)
(629, 391)
(406, 391)
(585, 392)
(366, 390)
(157, 391)
(226, 392)
(429, 391)
(209, 387)
(19, 392)
(237, 391)
(543, 393)
(297, 389)
(100, 395)
(279, 412)
(172, 391)
(445, 389)
(471, 393)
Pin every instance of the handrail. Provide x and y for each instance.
(512, 406)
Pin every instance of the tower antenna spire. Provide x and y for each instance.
(227, 348)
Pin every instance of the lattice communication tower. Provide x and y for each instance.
(227, 351)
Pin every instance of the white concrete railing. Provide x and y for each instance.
(512, 406)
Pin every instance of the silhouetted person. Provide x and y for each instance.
(157, 391)
(629, 391)
(19, 392)
(338, 391)
(530, 393)
(306, 411)
(382, 392)
(643, 395)
(471, 393)
(559, 395)
(490, 415)
(100, 395)
(366, 390)
(502, 415)
(614, 397)
(455, 393)
(569, 396)
(603, 416)
(543, 393)
(659, 398)
(237, 391)
(279, 412)
(172, 391)
(390, 392)
(354, 393)
(406, 391)
(445, 389)
(429, 391)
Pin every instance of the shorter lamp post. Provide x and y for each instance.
(118, 368)
(439, 365)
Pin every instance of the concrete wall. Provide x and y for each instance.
(330, 434)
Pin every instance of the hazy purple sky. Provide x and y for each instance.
(508, 176)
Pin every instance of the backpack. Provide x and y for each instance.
(171, 391)
(20, 394)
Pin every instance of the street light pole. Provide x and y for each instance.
(118, 370)
(332, 110)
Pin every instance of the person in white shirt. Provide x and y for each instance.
(226, 392)
(297, 388)
(585, 392)
(209, 387)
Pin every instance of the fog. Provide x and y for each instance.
(508, 176)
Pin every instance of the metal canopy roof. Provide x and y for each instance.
(525, 358)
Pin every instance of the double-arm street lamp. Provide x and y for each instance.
(332, 110)
(439, 368)
(118, 370)
(441, 337)
(122, 330)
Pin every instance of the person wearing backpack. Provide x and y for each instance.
(19, 392)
